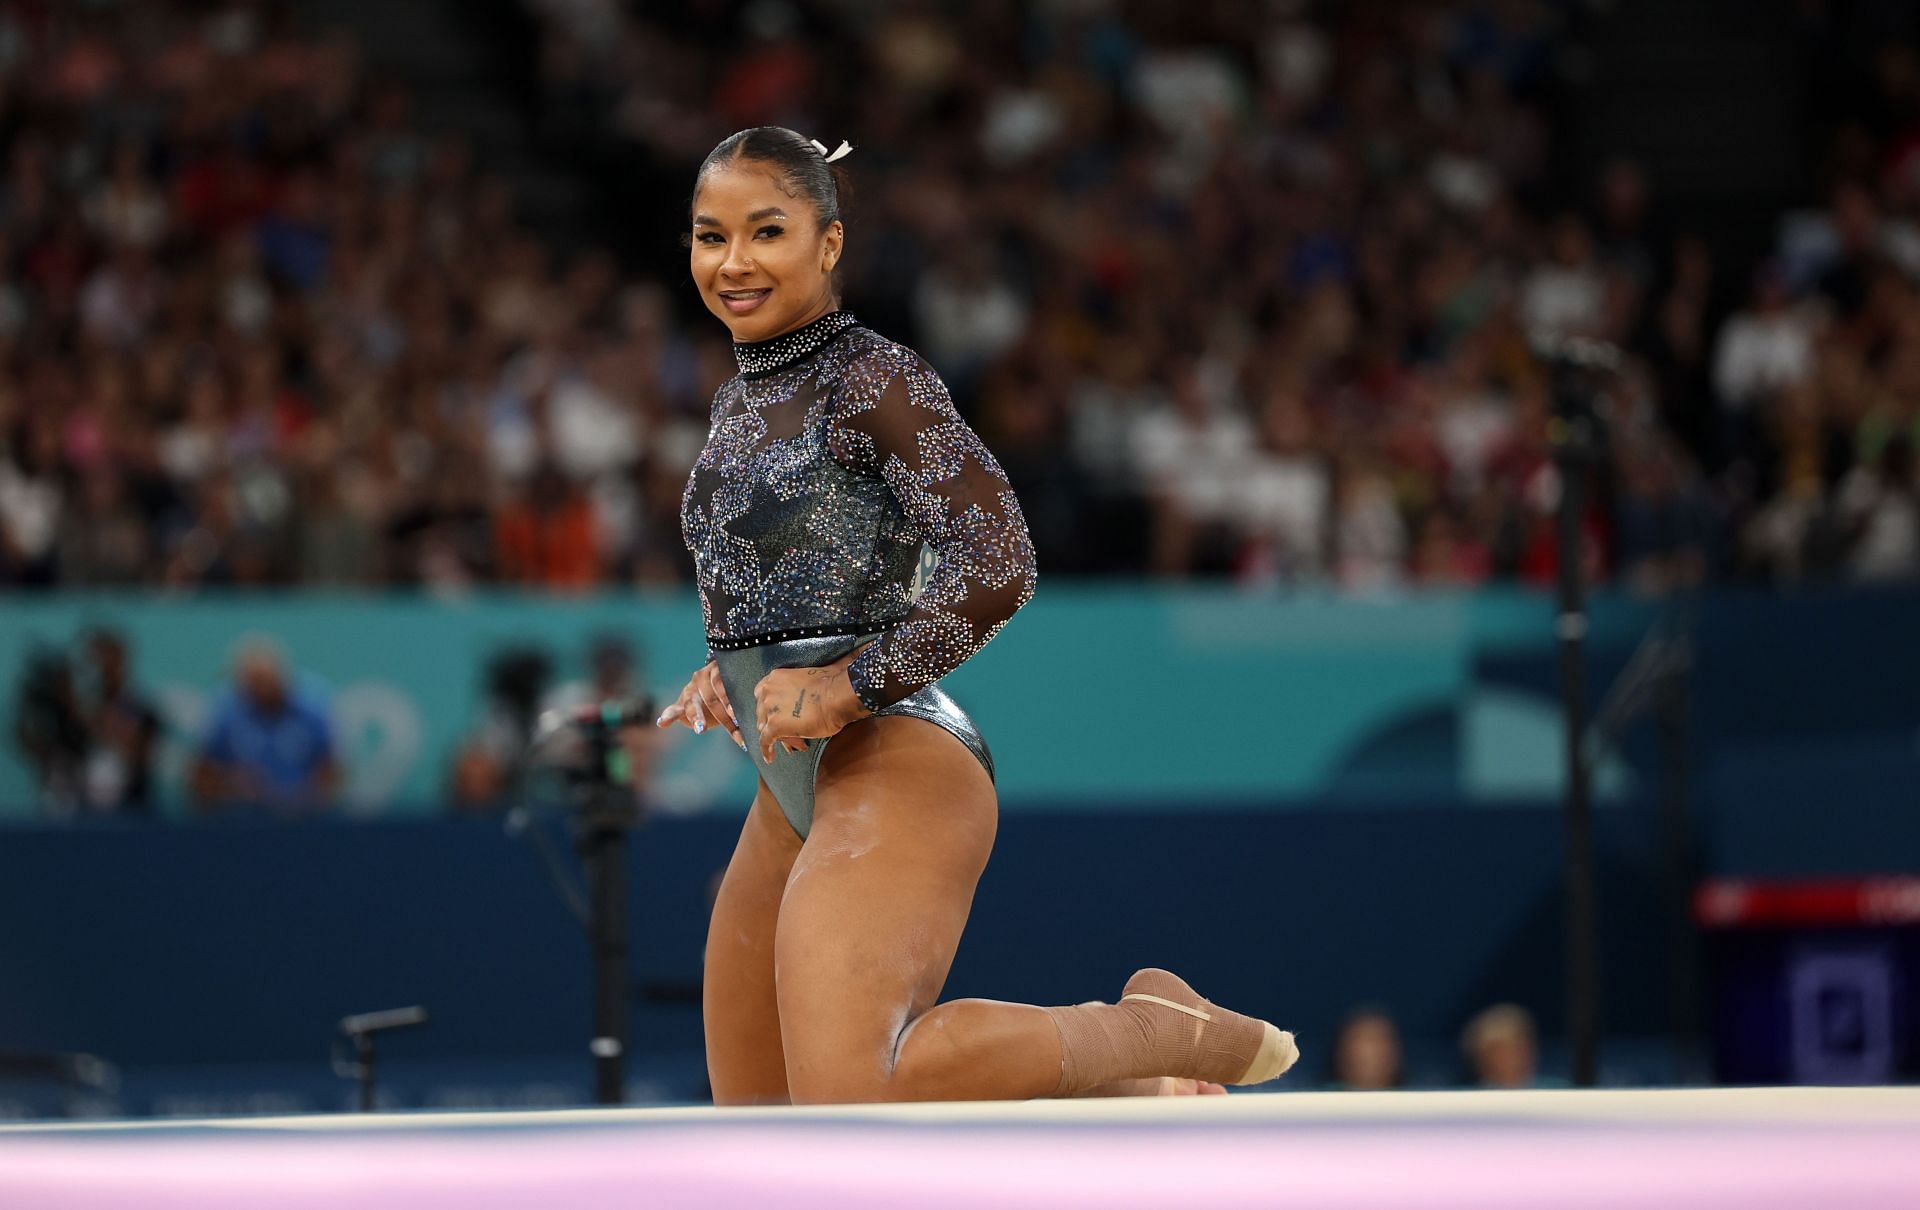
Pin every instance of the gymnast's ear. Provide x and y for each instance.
(833, 239)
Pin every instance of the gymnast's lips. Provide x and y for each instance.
(742, 301)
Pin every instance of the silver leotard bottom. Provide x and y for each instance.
(790, 774)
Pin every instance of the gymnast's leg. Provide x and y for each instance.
(744, 1062)
(904, 818)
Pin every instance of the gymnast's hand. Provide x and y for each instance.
(702, 704)
(794, 705)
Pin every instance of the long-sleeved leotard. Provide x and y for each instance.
(834, 456)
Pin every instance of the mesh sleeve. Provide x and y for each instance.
(953, 491)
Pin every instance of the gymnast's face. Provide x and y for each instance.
(761, 258)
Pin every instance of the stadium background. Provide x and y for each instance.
(365, 327)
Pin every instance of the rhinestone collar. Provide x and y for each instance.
(767, 356)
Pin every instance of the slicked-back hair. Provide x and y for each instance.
(803, 171)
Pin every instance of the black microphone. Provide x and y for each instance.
(377, 1022)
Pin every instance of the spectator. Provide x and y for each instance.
(1445, 556)
(50, 727)
(1762, 350)
(516, 686)
(123, 730)
(1500, 1048)
(612, 676)
(270, 744)
(546, 536)
(31, 501)
(1369, 543)
(1663, 524)
(1880, 508)
(477, 783)
(1566, 294)
(1366, 1053)
(1192, 455)
(1284, 497)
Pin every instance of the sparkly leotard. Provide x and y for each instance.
(834, 459)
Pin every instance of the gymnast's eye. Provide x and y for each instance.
(770, 231)
(709, 237)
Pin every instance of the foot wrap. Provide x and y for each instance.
(1162, 1027)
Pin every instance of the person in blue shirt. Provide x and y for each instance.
(270, 743)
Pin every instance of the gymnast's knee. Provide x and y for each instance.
(912, 1072)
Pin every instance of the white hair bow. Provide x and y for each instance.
(836, 153)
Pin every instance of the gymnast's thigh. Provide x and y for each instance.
(904, 819)
(745, 1064)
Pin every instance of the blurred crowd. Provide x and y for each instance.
(256, 327)
(269, 740)
(1499, 1045)
(87, 731)
(1252, 306)
(92, 736)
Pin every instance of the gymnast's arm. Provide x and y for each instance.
(958, 497)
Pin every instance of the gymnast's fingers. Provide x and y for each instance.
(777, 733)
(715, 691)
(714, 696)
(762, 707)
(677, 712)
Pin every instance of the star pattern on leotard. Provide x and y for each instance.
(819, 530)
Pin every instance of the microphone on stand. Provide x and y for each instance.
(360, 1030)
(606, 805)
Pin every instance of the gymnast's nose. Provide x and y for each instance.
(738, 263)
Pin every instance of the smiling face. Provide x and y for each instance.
(760, 256)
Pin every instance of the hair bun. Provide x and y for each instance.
(837, 153)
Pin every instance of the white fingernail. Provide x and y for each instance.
(699, 724)
(741, 742)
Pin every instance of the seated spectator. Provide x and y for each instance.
(1445, 556)
(123, 730)
(51, 729)
(1285, 494)
(546, 538)
(270, 743)
(1880, 505)
(477, 782)
(1663, 524)
(1762, 350)
(1366, 1052)
(1191, 455)
(1501, 1048)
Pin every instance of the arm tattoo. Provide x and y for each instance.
(799, 702)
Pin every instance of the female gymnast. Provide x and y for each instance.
(834, 455)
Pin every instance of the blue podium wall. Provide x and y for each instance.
(211, 961)
(234, 948)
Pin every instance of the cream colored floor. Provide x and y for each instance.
(1571, 1107)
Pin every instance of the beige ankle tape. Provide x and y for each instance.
(1139, 1039)
(1100, 1043)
